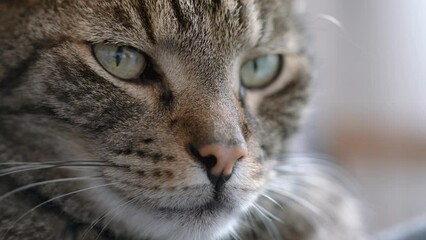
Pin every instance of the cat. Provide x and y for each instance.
(159, 119)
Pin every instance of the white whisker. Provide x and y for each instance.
(32, 185)
(300, 201)
(269, 214)
(10, 171)
(106, 213)
(251, 220)
(51, 200)
(272, 200)
(49, 163)
(332, 20)
(235, 235)
(122, 207)
(255, 206)
(270, 227)
(28, 169)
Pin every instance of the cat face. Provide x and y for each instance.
(185, 100)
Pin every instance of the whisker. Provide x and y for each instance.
(32, 185)
(106, 213)
(21, 169)
(272, 200)
(331, 20)
(134, 199)
(23, 165)
(51, 162)
(10, 171)
(235, 235)
(296, 199)
(249, 218)
(316, 214)
(245, 225)
(253, 217)
(245, 222)
(269, 226)
(272, 230)
(51, 200)
(272, 216)
(248, 221)
(255, 206)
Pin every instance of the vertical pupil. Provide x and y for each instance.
(255, 65)
(118, 56)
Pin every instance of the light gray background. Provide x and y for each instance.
(370, 62)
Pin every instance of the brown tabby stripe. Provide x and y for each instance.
(242, 13)
(177, 10)
(146, 21)
(167, 99)
(123, 17)
(216, 5)
(13, 77)
(27, 109)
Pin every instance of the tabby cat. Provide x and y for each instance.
(159, 119)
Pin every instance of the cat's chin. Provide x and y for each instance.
(216, 218)
(209, 209)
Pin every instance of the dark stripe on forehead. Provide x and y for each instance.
(242, 13)
(122, 17)
(216, 5)
(177, 10)
(146, 21)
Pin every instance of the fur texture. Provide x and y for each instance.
(85, 155)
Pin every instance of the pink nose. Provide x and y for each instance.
(222, 157)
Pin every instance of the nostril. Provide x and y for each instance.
(208, 161)
(219, 160)
(225, 155)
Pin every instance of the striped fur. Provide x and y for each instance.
(65, 117)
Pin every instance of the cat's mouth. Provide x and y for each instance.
(204, 200)
(198, 197)
(210, 207)
(223, 203)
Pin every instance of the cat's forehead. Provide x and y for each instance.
(226, 23)
(202, 19)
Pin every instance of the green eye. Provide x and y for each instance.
(260, 72)
(123, 62)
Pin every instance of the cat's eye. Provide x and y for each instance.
(122, 62)
(261, 71)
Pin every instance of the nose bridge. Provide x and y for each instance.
(212, 119)
(217, 140)
(208, 104)
(217, 120)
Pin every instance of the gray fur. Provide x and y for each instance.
(65, 117)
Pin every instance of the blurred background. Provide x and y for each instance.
(370, 100)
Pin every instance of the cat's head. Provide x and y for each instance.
(186, 100)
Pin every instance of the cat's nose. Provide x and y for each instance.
(219, 160)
